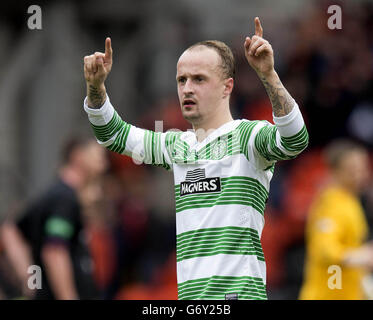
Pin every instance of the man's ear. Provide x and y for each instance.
(228, 87)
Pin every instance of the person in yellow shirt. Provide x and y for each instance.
(337, 257)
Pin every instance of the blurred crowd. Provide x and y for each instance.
(130, 223)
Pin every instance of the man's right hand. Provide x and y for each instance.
(96, 69)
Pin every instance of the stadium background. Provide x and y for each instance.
(132, 232)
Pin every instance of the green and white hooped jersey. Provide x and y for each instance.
(221, 188)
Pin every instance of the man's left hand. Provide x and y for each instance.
(259, 52)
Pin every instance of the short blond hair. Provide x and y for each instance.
(225, 53)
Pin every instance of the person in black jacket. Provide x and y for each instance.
(50, 232)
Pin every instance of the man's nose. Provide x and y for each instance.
(188, 87)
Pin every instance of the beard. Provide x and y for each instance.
(193, 116)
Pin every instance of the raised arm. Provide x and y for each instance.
(110, 130)
(97, 66)
(289, 136)
(259, 54)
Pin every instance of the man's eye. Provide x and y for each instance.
(199, 79)
(181, 80)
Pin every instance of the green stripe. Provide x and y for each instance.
(245, 129)
(298, 136)
(246, 288)
(192, 287)
(216, 235)
(216, 287)
(119, 143)
(147, 147)
(105, 132)
(220, 278)
(220, 240)
(170, 138)
(296, 143)
(153, 151)
(266, 143)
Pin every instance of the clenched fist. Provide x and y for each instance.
(98, 65)
(258, 52)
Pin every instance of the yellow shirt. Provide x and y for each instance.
(336, 223)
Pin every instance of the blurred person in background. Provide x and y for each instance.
(205, 73)
(337, 229)
(51, 233)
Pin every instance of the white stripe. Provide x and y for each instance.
(135, 141)
(232, 215)
(290, 124)
(165, 152)
(158, 149)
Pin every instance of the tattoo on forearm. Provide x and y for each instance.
(282, 102)
(96, 96)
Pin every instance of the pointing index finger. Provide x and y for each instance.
(108, 49)
(258, 28)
